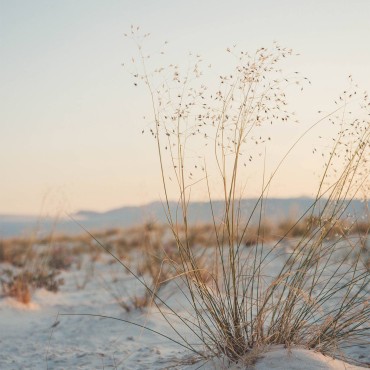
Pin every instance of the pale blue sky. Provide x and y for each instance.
(70, 120)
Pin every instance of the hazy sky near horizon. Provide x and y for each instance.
(71, 120)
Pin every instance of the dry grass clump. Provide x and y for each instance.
(132, 302)
(36, 263)
(341, 227)
(361, 228)
(16, 251)
(258, 234)
(198, 235)
(57, 257)
(17, 287)
(21, 286)
(319, 297)
(290, 228)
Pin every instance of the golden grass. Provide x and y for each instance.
(241, 312)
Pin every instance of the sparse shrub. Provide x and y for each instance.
(37, 264)
(201, 235)
(16, 251)
(361, 228)
(21, 285)
(17, 286)
(130, 303)
(289, 228)
(58, 257)
(254, 235)
(47, 279)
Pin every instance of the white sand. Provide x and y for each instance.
(29, 341)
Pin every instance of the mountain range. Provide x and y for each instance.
(274, 209)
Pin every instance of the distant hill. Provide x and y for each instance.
(274, 209)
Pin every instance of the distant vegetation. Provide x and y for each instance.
(198, 212)
(27, 264)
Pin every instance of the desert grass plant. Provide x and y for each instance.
(317, 296)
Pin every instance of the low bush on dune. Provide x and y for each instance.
(21, 285)
(32, 263)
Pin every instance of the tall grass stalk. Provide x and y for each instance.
(319, 297)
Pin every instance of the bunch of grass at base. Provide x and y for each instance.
(319, 296)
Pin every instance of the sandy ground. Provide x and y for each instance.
(37, 336)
